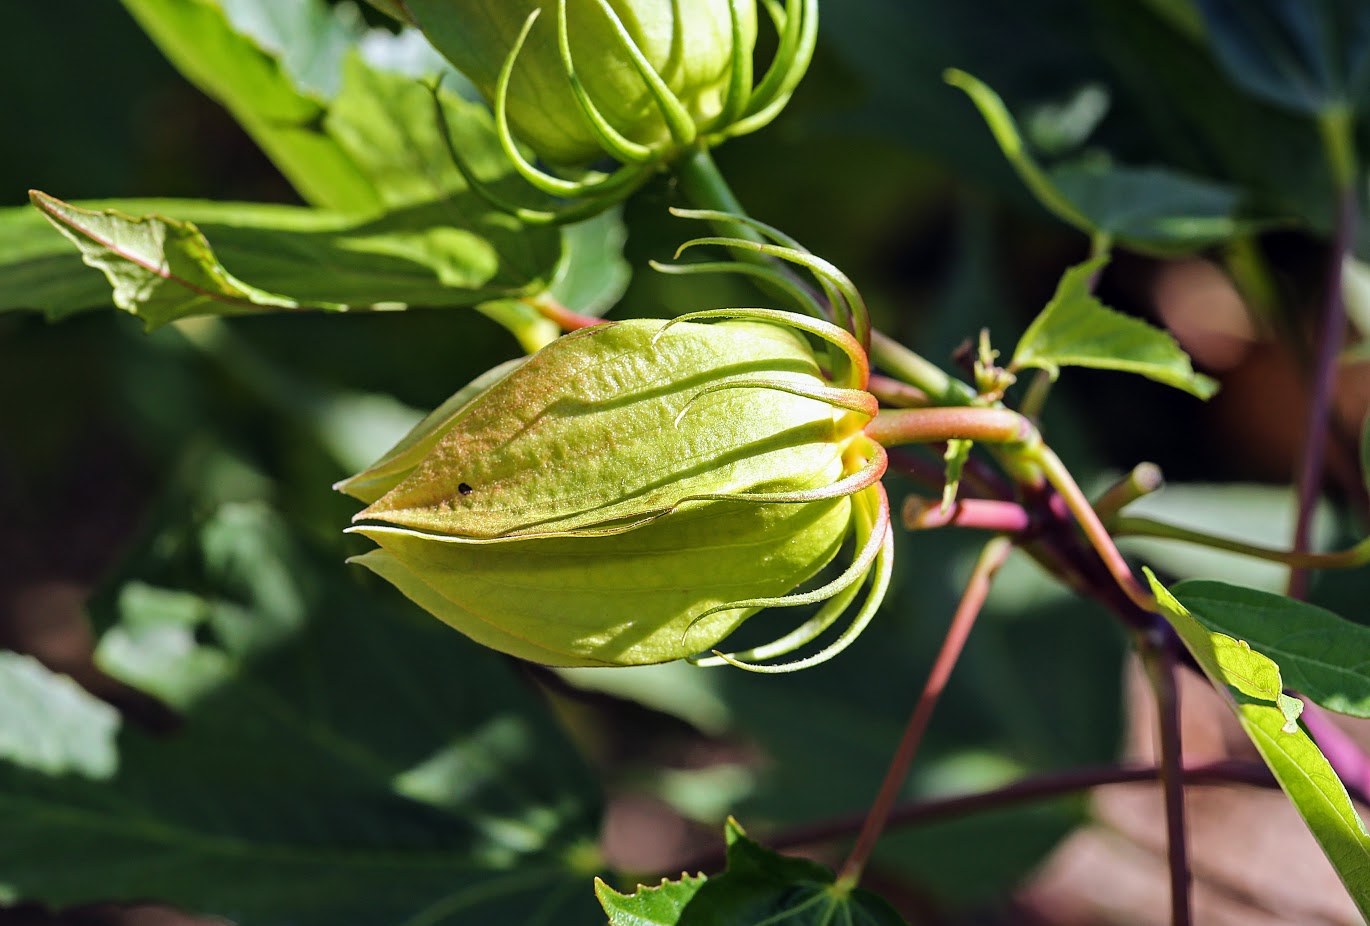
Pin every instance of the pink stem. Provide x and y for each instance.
(977, 513)
(972, 599)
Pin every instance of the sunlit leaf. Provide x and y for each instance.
(162, 269)
(1321, 655)
(1254, 681)
(1076, 329)
(159, 269)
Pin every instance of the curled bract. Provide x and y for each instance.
(633, 492)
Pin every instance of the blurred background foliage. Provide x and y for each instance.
(166, 496)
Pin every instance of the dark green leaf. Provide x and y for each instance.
(1146, 209)
(1307, 55)
(1076, 329)
(1321, 655)
(1152, 207)
(343, 761)
(1188, 113)
(761, 886)
(661, 905)
(1270, 719)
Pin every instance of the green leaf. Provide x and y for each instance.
(341, 111)
(272, 64)
(1310, 56)
(438, 245)
(1154, 210)
(1312, 785)
(661, 905)
(958, 452)
(1076, 329)
(761, 886)
(1322, 655)
(347, 762)
(593, 274)
(160, 269)
(164, 269)
(591, 278)
(1297, 763)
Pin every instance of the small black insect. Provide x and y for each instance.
(464, 489)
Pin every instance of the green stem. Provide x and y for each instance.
(1035, 398)
(1144, 479)
(893, 427)
(920, 372)
(1336, 125)
(1350, 558)
(704, 185)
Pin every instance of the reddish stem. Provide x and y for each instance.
(972, 599)
(1160, 664)
(1330, 341)
(1040, 787)
(552, 310)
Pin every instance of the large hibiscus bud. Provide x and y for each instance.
(634, 491)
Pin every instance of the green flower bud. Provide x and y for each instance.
(635, 80)
(633, 491)
(689, 46)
